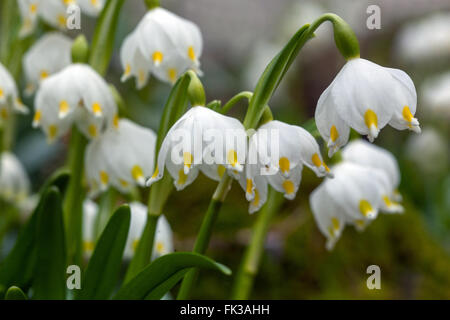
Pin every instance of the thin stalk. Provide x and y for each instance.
(74, 196)
(230, 104)
(151, 4)
(106, 208)
(204, 235)
(252, 257)
(144, 249)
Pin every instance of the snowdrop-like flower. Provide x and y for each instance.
(204, 140)
(14, 182)
(277, 154)
(50, 54)
(90, 214)
(122, 157)
(163, 243)
(91, 7)
(369, 155)
(53, 12)
(354, 197)
(366, 97)
(163, 44)
(77, 94)
(436, 95)
(9, 97)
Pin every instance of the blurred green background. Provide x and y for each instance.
(240, 38)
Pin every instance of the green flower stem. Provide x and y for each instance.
(230, 104)
(7, 18)
(74, 196)
(143, 253)
(204, 235)
(252, 256)
(106, 208)
(151, 4)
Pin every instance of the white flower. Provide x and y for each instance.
(77, 94)
(14, 182)
(91, 7)
(425, 39)
(163, 243)
(277, 154)
(90, 214)
(201, 139)
(354, 197)
(436, 95)
(122, 157)
(53, 12)
(369, 155)
(163, 44)
(366, 97)
(9, 97)
(50, 54)
(429, 152)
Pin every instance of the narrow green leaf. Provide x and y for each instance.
(49, 281)
(161, 274)
(163, 288)
(15, 293)
(17, 268)
(103, 41)
(104, 267)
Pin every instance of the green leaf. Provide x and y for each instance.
(59, 179)
(104, 266)
(17, 268)
(163, 273)
(49, 280)
(15, 293)
(104, 36)
(271, 77)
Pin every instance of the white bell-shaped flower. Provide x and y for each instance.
(163, 44)
(75, 95)
(369, 155)
(14, 182)
(91, 7)
(163, 243)
(9, 96)
(277, 154)
(203, 140)
(122, 157)
(50, 54)
(90, 214)
(435, 92)
(354, 197)
(366, 97)
(53, 12)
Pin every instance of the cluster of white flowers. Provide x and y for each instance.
(364, 183)
(163, 243)
(53, 12)
(163, 44)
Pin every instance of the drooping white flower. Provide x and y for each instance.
(122, 156)
(277, 154)
(369, 155)
(50, 54)
(14, 182)
(163, 243)
(163, 44)
(9, 97)
(53, 12)
(91, 7)
(90, 214)
(354, 197)
(435, 93)
(203, 140)
(75, 95)
(366, 97)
